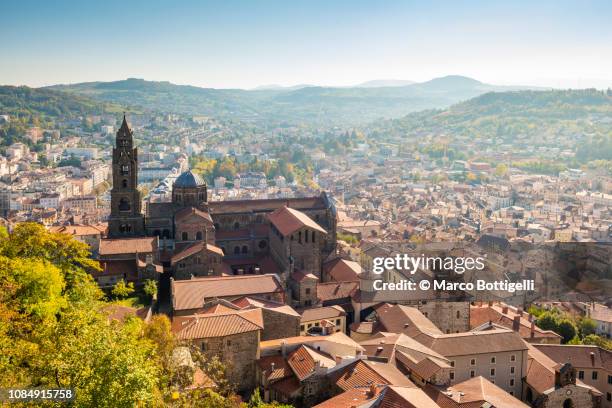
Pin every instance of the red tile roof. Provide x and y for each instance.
(364, 373)
(192, 293)
(342, 270)
(336, 290)
(208, 325)
(475, 392)
(303, 361)
(117, 246)
(288, 220)
(320, 313)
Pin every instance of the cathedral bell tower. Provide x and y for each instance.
(126, 219)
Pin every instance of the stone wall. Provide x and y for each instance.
(279, 325)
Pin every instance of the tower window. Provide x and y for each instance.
(125, 169)
(184, 236)
(124, 183)
(124, 205)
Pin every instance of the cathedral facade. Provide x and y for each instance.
(191, 236)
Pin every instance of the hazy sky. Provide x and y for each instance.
(249, 43)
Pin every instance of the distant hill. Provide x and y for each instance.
(313, 104)
(48, 104)
(572, 118)
(381, 83)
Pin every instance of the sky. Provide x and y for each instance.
(244, 44)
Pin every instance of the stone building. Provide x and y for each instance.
(231, 335)
(202, 238)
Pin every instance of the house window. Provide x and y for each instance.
(300, 237)
(452, 375)
(306, 236)
(511, 370)
(203, 346)
(512, 357)
(594, 375)
(236, 250)
(337, 322)
(512, 382)
(472, 374)
(229, 342)
(199, 235)
(458, 314)
(610, 379)
(236, 225)
(302, 327)
(245, 249)
(492, 372)
(184, 236)
(452, 363)
(608, 396)
(313, 237)
(581, 375)
(307, 291)
(473, 361)
(493, 360)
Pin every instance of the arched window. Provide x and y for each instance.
(245, 249)
(568, 403)
(125, 170)
(124, 183)
(184, 236)
(458, 314)
(236, 250)
(124, 205)
(236, 225)
(199, 235)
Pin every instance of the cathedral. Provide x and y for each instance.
(191, 237)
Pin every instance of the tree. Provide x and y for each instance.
(547, 321)
(586, 327)
(150, 288)
(566, 329)
(122, 290)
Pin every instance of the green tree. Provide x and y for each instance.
(122, 290)
(150, 288)
(547, 321)
(566, 329)
(586, 327)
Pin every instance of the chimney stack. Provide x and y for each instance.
(593, 359)
(505, 309)
(516, 323)
(532, 330)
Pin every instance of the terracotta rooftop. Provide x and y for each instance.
(320, 313)
(186, 212)
(303, 361)
(580, 356)
(252, 302)
(185, 251)
(364, 373)
(248, 206)
(504, 316)
(405, 319)
(118, 246)
(342, 270)
(191, 293)
(475, 392)
(279, 363)
(207, 325)
(470, 343)
(288, 220)
(335, 290)
(80, 230)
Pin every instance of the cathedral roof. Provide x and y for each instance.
(189, 179)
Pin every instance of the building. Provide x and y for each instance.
(327, 319)
(202, 238)
(231, 335)
(475, 392)
(548, 384)
(593, 365)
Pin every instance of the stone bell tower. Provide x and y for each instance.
(126, 219)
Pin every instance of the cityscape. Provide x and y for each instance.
(443, 242)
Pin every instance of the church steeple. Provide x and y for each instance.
(126, 218)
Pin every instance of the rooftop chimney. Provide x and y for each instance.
(592, 358)
(505, 309)
(532, 330)
(516, 323)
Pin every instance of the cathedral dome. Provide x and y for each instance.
(189, 179)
